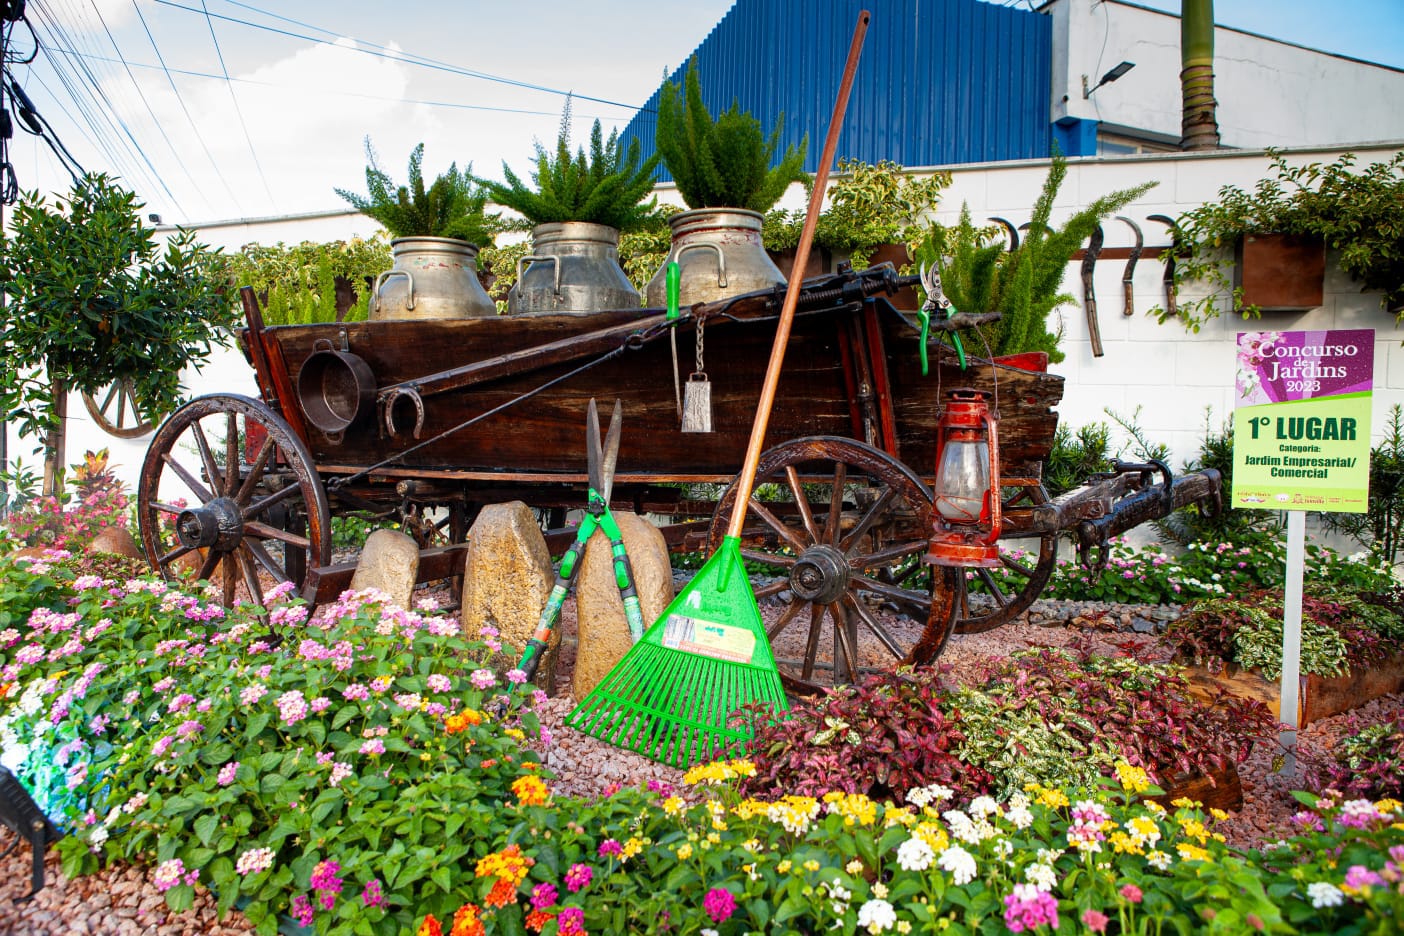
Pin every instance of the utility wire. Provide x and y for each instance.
(382, 52)
(354, 94)
(180, 99)
(85, 86)
(273, 202)
(140, 152)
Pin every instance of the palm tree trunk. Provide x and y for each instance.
(1199, 128)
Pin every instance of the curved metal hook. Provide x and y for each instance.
(1013, 232)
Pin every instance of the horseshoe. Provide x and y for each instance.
(392, 397)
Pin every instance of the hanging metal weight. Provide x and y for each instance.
(697, 394)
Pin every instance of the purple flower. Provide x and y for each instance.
(293, 706)
(611, 847)
(1027, 908)
(373, 896)
(438, 682)
(373, 746)
(355, 692)
(168, 874)
(543, 896)
(302, 910)
(252, 694)
(719, 904)
(188, 729)
(324, 876)
(516, 677)
(578, 877)
(482, 679)
(339, 772)
(1357, 876)
(254, 861)
(227, 773)
(320, 705)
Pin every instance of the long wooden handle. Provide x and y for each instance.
(747, 478)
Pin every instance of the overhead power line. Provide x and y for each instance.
(273, 202)
(370, 48)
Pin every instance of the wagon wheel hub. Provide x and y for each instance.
(218, 524)
(820, 575)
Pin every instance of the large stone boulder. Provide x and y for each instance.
(390, 562)
(599, 609)
(506, 580)
(118, 540)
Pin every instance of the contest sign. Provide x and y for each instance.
(1301, 427)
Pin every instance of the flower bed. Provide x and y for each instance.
(441, 825)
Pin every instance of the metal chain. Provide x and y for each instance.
(701, 327)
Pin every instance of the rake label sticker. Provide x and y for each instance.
(1301, 438)
(708, 638)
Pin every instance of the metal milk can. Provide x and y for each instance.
(574, 267)
(720, 254)
(432, 278)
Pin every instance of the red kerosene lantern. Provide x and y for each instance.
(965, 518)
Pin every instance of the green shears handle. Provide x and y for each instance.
(959, 346)
(565, 577)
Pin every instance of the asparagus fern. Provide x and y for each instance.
(451, 207)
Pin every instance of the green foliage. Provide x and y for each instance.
(1381, 528)
(722, 163)
(1024, 284)
(1356, 213)
(298, 285)
(91, 298)
(1076, 456)
(451, 207)
(606, 188)
(869, 205)
(85, 502)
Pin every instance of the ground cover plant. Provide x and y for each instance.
(192, 742)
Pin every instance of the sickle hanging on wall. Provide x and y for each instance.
(1169, 254)
(1127, 289)
(1089, 296)
(1013, 232)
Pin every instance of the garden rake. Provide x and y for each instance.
(674, 695)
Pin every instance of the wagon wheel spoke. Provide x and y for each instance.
(844, 645)
(811, 649)
(207, 567)
(265, 531)
(774, 588)
(262, 556)
(171, 509)
(880, 632)
(886, 555)
(231, 453)
(231, 579)
(125, 402)
(248, 573)
(265, 451)
(263, 503)
(174, 554)
(784, 620)
(775, 559)
(902, 596)
(107, 401)
(834, 528)
(207, 456)
(995, 591)
(196, 488)
(775, 523)
(870, 516)
(802, 502)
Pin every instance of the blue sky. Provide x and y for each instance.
(293, 127)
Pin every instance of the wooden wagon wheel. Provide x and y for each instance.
(837, 520)
(190, 500)
(117, 414)
(1004, 594)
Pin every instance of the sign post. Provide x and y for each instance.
(1301, 441)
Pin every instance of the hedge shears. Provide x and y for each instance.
(936, 301)
(601, 460)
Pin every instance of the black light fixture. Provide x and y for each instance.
(1115, 73)
(19, 811)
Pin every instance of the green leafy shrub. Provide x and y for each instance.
(869, 205)
(722, 163)
(1025, 284)
(1353, 212)
(309, 282)
(1076, 456)
(451, 207)
(608, 187)
(90, 299)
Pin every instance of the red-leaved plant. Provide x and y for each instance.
(882, 737)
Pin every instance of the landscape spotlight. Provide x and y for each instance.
(1108, 78)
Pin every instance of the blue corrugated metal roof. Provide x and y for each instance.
(940, 81)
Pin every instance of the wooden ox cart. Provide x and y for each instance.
(426, 421)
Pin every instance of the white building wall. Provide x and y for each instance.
(1163, 376)
(1270, 93)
